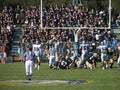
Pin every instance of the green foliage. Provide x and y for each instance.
(96, 4)
(116, 5)
(57, 2)
(91, 5)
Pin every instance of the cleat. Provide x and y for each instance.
(30, 76)
(29, 79)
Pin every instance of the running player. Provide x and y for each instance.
(36, 50)
(52, 52)
(84, 52)
(104, 57)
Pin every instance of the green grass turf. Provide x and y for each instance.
(108, 79)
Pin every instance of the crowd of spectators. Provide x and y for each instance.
(54, 16)
(6, 30)
(64, 17)
(73, 17)
(117, 21)
(60, 17)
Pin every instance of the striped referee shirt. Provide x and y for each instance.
(29, 56)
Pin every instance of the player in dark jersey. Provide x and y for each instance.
(65, 63)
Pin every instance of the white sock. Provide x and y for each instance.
(38, 67)
(35, 66)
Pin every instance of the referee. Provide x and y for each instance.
(29, 58)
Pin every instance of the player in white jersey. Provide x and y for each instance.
(118, 61)
(84, 52)
(52, 52)
(104, 57)
(41, 50)
(57, 54)
(36, 50)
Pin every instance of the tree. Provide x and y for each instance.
(95, 4)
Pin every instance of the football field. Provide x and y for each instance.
(12, 77)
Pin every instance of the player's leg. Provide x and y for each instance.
(82, 60)
(53, 62)
(111, 62)
(27, 69)
(21, 58)
(102, 61)
(31, 67)
(118, 62)
(50, 61)
(106, 61)
(84, 57)
(56, 61)
(38, 65)
(36, 62)
(94, 63)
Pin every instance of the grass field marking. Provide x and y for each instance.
(10, 83)
(88, 82)
(43, 82)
